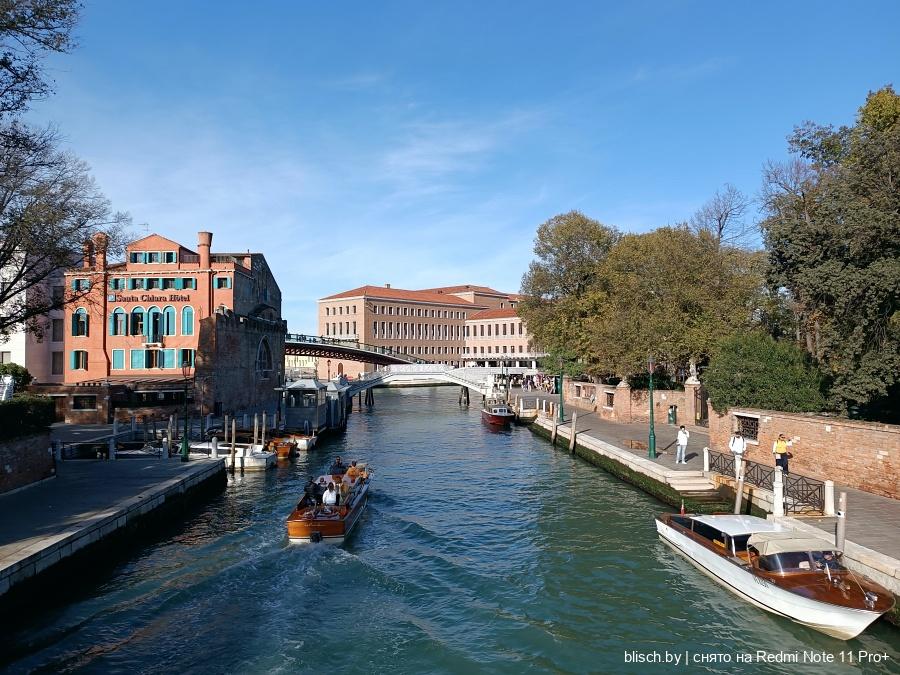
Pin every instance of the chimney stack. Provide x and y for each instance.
(101, 244)
(204, 241)
(87, 250)
(387, 285)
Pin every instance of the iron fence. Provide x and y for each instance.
(802, 494)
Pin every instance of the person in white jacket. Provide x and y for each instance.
(738, 445)
(681, 444)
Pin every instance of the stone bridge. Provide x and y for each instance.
(478, 379)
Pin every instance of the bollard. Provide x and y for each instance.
(778, 489)
(829, 498)
(255, 428)
(112, 448)
(262, 440)
(246, 424)
(215, 447)
(840, 531)
(553, 433)
(572, 432)
(170, 434)
(133, 428)
(225, 427)
(115, 429)
(233, 449)
(706, 460)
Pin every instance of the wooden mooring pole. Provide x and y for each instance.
(573, 432)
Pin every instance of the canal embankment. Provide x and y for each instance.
(53, 530)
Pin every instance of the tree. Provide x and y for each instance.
(722, 217)
(673, 294)
(752, 370)
(21, 377)
(558, 286)
(832, 231)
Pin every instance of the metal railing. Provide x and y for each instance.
(352, 344)
(802, 494)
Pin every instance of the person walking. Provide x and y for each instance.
(780, 450)
(738, 446)
(681, 445)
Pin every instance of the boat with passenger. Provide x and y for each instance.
(496, 412)
(331, 506)
(792, 574)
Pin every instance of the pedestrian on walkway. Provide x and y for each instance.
(738, 446)
(681, 444)
(780, 450)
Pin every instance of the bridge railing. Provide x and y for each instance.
(352, 344)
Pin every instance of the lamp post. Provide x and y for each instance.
(185, 368)
(651, 445)
(562, 415)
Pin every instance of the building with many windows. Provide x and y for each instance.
(166, 318)
(498, 337)
(429, 324)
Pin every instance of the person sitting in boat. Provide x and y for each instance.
(320, 490)
(353, 472)
(338, 468)
(330, 497)
(826, 559)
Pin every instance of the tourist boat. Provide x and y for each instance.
(496, 412)
(309, 523)
(792, 574)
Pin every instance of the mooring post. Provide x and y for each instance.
(170, 430)
(133, 428)
(554, 432)
(829, 498)
(225, 427)
(255, 428)
(154, 429)
(115, 429)
(573, 432)
(112, 448)
(739, 493)
(840, 528)
(262, 440)
(146, 432)
(214, 444)
(233, 449)
(706, 459)
(778, 489)
(246, 421)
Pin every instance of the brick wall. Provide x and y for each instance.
(629, 405)
(861, 455)
(24, 461)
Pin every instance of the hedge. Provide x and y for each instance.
(23, 415)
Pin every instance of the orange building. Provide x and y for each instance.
(164, 314)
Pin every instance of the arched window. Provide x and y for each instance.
(187, 321)
(80, 322)
(264, 359)
(168, 321)
(153, 327)
(137, 321)
(118, 322)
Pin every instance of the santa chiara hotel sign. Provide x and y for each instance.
(147, 297)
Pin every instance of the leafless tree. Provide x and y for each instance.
(723, 217)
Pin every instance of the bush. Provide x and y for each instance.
(751, 370)
(23, 415)
(21, 376)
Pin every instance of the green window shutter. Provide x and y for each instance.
(227, 282)
(169, 358)
(118, 359)
(137, 359)
(179, 284)
(112, 323)
(143, 256)
(74, 284)
(72, 358)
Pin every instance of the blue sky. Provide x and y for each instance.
(421, 144)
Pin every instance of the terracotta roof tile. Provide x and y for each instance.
(467, 288)
(385, 293)
(506, 313)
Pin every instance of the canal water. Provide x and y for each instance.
(480, 551)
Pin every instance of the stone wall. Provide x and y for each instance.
(629, 405)
(861, 455)
(24, 461)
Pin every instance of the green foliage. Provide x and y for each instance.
(21, 377)
(833, 237)
(23, 415)
(754, 371)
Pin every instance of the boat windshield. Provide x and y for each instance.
(800, 561)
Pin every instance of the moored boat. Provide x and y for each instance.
(792, 574)
(496, 412)
(312, 522)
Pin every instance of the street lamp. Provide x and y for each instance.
(185, 368)
(651, 445)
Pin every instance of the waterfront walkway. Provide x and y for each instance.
(873, 521)
(85, 502)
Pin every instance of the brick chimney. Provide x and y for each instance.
(87, 250)
(387, 285)
(204, 241)
(101, 244)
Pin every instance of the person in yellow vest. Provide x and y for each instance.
(353, 473)
(780, 450)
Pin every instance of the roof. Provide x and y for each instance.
(466, 288)
(768, 543)
(735, 526)
(385, 293)
(494, 314)
(307, 383)
(132, 244)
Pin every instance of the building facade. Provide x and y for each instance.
(166, 319)
(429, 324)
(498, 337)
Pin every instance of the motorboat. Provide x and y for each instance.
(496, 412)
(311, 522)
(792, 574)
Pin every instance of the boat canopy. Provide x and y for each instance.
(735, 526)
(769, 543)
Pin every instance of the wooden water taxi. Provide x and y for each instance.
(791, 574)
(310, 522)
(496, 412)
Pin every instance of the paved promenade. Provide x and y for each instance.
(86, 501)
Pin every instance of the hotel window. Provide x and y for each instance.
(169, 256)
(118, 359)
(153, 284)
(80, 284)
(153, 257)
(79, 359)
(80, 321)
(504, 329)
(186, 356)
(168, 321)
(136, 283)
(56, 363)
(118, 322)
(168, 284)
(136, 257)
(223, 282)
(187, 321)
(56, 330)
